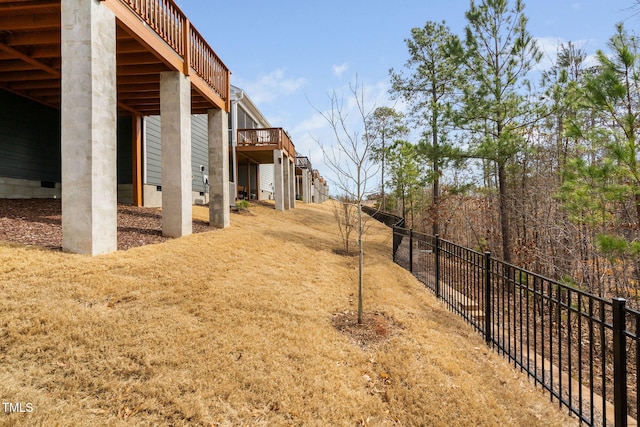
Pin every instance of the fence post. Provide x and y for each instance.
(619, 363)
(411, 250)
(395, 245)
(487, 298)
(436, 252)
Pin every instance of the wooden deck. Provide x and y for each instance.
(152, 36)
(257, 145)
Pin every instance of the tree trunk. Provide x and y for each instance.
(384, 197)
(360, 263)
(504, 213)
(436, 160)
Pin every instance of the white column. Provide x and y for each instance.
(175, 129)
(278, 179)
(218, 168)
(88, 127)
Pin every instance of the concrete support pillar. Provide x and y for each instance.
(88, 127)
(286, 190)
(292, 187)
(305, 185)
(278, 179)
(218, 168)
(175, 129)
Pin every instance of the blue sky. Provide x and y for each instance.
(288, 55)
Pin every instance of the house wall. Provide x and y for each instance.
(199, 151)
(152, 178)
(30, 162)
(266, 182)
(152, 152)
(29, 148)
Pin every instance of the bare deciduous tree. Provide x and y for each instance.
(349, 158)
(345, 213)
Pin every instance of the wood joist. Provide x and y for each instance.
(30, 60)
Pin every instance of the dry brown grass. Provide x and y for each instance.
(234, 327)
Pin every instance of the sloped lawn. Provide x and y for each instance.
(244, 326)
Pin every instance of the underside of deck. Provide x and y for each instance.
(31, 55)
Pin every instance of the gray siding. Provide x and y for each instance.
(153, 157)
(199, 150)
(29, 139)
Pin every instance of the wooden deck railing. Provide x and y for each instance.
(270, 138)
(171, 24)
(302, 162)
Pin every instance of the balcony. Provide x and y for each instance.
(302, 162)
(258, 145)
(152, 36)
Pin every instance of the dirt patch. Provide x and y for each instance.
(241, 211)
(344, 253)
(375, 328)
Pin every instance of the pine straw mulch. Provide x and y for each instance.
(376, 327)
(38, 222)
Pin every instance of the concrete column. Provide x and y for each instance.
(278, 179)
(292, 187)
(286, 190)
(175, 130)
(218, 168)
(88, 127)
(305, 185)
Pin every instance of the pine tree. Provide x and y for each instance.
(499, 52)
(406, 176)
(385, 124)
(429, 90)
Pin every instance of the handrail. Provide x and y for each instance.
(166, 19)
(266, 137)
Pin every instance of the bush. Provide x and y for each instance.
(242, 204)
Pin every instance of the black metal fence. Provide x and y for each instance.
(582, 349)
(384, 217)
